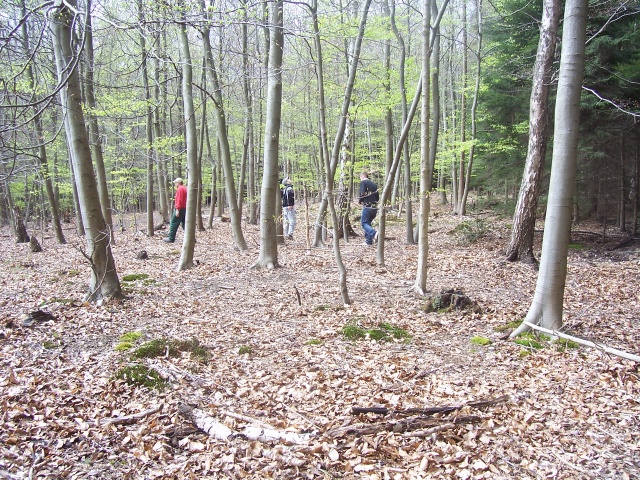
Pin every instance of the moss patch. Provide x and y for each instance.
(508, 326)
(314, 341)
(480, 341)
(161, 347)
(383, 332)
(245, 350)
(139, 375)
(134, 276)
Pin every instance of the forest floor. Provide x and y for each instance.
(560, 412)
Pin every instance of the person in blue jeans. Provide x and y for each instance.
(368, 197)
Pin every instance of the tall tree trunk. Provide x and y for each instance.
(223, 139)
(104, 278)
(39, 130)
(547, 305)
(524, 219)
(420, 285)
(474, 109)
(342, 121)
(191, 135)
(270, 189)
(149, 120)
(435, 88)
(460, 206)
(158, 127)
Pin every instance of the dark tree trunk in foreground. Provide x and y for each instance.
(524, 219)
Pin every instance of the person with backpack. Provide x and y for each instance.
(368, 197)
(288, 209)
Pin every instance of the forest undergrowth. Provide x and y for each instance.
(100, 391)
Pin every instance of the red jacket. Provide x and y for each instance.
(181, 197)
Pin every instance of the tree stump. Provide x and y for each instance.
(34, 244)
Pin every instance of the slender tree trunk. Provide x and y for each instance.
(344, 112)
(223, 139)
(186, 257)
(39, 130)
(420, 285)
(104, 278)
(474, 109)
(158, 126)
(270, 189)
(149, 120)
(524, 219)
(460, 206)
(621, 196)
(547, 305)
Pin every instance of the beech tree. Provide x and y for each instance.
(104, 278)
(268, 238)
(546, 307)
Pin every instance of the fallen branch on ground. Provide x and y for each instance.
(220, 431)
(431, 410)
(129, 418)
(404, 426)
(604, 348)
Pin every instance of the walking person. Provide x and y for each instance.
(368, 197)
(288, 209)
(180, 211)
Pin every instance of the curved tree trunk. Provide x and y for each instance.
(524, 219)
(546, 307)
(104, 278)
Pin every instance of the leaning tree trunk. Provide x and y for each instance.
(546, 307)
(344, 112)
(234, 213)
(524, 219)
(104, 278)
(268, 257)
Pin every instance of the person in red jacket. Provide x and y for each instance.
(180, 210)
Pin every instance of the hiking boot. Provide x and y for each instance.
(375, 238)
(168, 240)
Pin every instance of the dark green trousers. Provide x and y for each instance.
(176, 220)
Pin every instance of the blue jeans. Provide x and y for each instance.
(368, 214)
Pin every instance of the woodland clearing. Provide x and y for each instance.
(569, 413)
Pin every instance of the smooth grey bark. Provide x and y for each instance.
(524, 218)
(420, 285)
(158, 128)
(104, 278)
(248, 135)
(474, 110)
(460, 207)
(268, 257)
(148, 119)
(191, 135)
(435, 88)
(547, 305)
(39, 130)
(223, 140)
(342, 121)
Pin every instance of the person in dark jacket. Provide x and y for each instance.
(288, 209)
(368, 197)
